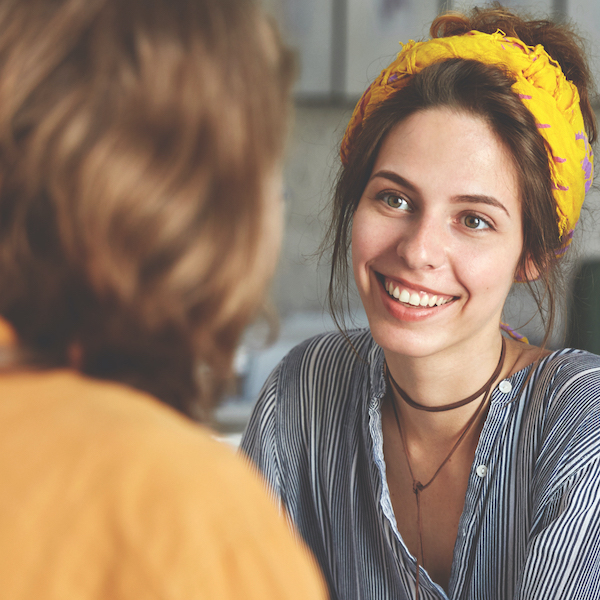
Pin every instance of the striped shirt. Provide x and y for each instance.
(530, 527)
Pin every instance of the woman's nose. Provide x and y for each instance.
(422, 243)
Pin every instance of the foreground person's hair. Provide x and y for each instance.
(137, 141)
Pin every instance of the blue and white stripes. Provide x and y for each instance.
(530, 528)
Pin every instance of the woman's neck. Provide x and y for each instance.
(442, 380)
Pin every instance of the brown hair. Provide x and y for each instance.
(137, 142)
(485, 91)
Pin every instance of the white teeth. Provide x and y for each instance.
(415, 300)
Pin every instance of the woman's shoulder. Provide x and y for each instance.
(566, 388)
(573, 357)
(570, 373)
(334, 343)
(565, 385)
(318, 376)
(329, 357)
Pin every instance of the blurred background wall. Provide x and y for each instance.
(342, 45)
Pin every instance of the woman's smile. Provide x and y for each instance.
(413, 296)
(437, 234)
(409, 303)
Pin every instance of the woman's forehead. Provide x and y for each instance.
(444, 151)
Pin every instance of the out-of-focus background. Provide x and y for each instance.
(342, 45)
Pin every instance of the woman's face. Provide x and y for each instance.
(437, 235)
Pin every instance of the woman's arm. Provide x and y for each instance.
(563, 555)
(259, 440)
(563, 549)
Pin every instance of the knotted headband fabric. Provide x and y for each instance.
(539, 83)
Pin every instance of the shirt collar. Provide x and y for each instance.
(376, 360)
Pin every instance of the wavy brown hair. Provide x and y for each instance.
(485, 91)
(137, 142)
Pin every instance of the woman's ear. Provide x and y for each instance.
(527, 271)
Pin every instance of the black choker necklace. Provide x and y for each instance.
(446, 407)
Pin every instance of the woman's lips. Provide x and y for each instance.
(413, 297)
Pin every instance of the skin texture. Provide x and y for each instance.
(417, 233)
(440, 215)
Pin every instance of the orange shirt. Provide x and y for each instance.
(105, 493)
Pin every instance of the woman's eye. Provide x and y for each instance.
(394, 201)
(475, 222)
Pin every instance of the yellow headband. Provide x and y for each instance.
(541, 85)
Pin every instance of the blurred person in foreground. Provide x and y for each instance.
(139, 208)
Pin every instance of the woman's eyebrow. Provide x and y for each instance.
(471, 198)
(479, 199)
(398, 179)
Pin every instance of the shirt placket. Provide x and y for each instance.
(482, 472)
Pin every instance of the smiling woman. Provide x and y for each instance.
(444, 200)
(430, 456)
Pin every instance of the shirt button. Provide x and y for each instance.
(481, 470)
(505, 386)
